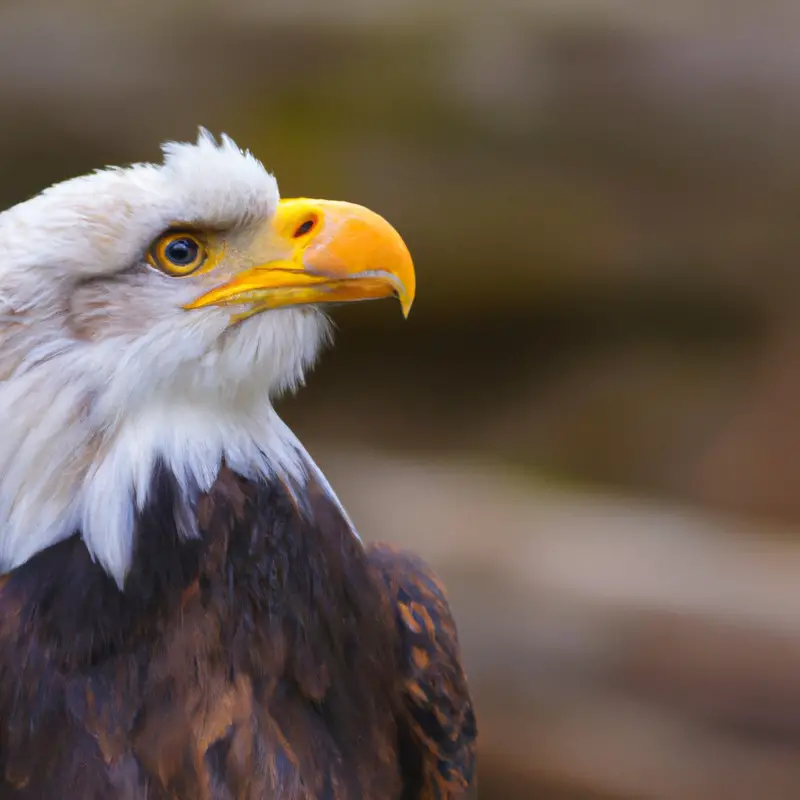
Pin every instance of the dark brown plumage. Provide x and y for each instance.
(273, 656)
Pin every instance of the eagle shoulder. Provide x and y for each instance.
(439, 715)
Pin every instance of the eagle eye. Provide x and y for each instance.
(177, 253)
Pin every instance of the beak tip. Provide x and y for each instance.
(406, 301)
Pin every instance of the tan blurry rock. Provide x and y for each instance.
(615, 648)
(560, 147)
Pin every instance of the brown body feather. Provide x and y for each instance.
(273, 656)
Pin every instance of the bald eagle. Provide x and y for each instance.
(186, 610)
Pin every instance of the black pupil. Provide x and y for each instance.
(182, 252)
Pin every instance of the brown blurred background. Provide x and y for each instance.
(588, 423)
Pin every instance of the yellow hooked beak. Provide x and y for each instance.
(327, 252)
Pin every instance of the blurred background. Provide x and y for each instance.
(588, 422)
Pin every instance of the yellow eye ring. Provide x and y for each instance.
(177, 253)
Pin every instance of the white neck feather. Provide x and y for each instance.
(60, 476)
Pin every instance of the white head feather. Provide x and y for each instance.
(100, 378)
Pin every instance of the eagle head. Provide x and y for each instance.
(149, 315)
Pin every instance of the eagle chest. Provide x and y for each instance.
(258, 664)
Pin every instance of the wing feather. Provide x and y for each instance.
(440, 718)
